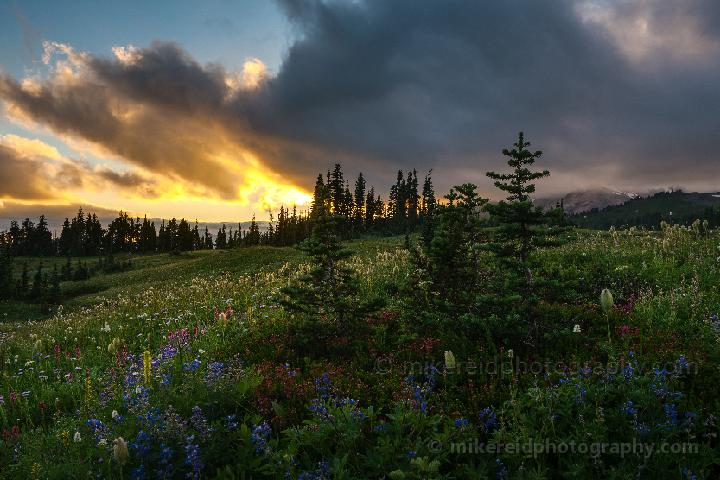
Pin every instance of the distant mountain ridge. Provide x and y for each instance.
(580, 201)
(649, 211)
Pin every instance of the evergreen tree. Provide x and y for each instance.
(66, 241)
(360, 199)
(184, 236)
(172, 234)
(208, 239)
(428, 196)
(198, 243)
(336, 186)
(148, 237)
(325, 297)
(518, 219)
(321, 197)
(221, 238)
(370, 205)
(413, 199)
(163, 239)
(452, 257)
(521, 228)
(15, 239)
(253, 235)
(427, 210)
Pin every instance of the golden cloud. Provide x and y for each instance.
(158, 112)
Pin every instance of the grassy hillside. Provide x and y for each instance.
(144, 377)
(675, 207)
(146, 271)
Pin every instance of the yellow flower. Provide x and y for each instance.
(88, 391)
(146, 366)
(36, 470)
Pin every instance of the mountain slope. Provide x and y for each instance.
(586, 200)
(675, 207)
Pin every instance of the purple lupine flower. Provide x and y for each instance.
(260, 436)
(629, 408)
(462, 423)
(488, 418)
(192, 457)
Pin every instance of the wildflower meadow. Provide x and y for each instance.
(209, 378)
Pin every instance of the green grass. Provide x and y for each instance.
(164, 269)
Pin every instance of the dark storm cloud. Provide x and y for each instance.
(448, 83)
(410, 83)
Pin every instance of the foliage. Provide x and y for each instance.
(451, 262)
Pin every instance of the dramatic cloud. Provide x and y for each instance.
(31, 170)
(620, 92)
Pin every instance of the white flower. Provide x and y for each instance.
(577, 329)
(102, 442)
(606, 300)
(449, 360)
(77, 438)
(120, 451)
(510, 353)
(105, 328)
(114, 414)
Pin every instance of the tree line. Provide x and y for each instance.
(360, 210)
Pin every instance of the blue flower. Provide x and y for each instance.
(192, 366)
(501, 472)
(167, 469)
(671, 414)
(260, 436)
(628, 371)
(231, 422)
(214, 371)
(682, 364)
(321, 473)
(462, 423)
(192, 457)
(629, 408)
(488, 418)
(688, 474)
(138, 473)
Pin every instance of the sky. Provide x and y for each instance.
(218, 110)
